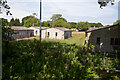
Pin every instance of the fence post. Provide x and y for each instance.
(104, 58)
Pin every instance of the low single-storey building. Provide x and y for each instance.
(37, 30)
(53, 32)
(105, 39)
(57, 33)
(21, 32)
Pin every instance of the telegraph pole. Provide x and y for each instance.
(40, 19)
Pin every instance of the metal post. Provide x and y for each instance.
(40, 18)
(104, 58)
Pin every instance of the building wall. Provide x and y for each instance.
(36, 31)
(44, 33)
(22, 34)
(67, 34)
(105, 36)
(52, 33)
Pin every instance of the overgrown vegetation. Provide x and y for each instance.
(32, 60)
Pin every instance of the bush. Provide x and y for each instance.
(32, 60)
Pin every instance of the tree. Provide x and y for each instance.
(104, 3)
(56, 17)
(117, 22)
(72, 24)
(59, 21)
(95, 24)
(31, 21)
(83, 25)
(11, 23)
(17, 22)
(4, 22)
(14, 22)
(25, 18)
(3, 4)
(46, 23)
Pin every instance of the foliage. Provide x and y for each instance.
(56, 21)
(3, 4)
(104, 3)
(117, 22)
(31, 21)
(3, 22)
(83, 25)
(46, 23)
(14, 22)
(59, 21)
(72, 24)
(96, 25)
(32, 60)
(56, 17)
(6, 33)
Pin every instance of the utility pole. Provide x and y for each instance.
(40, 19)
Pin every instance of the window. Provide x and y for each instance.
(48, 34)
(115, 41)
(36, 32)
(98, 41)
(18, 33)
(112, 41)
(56, 34)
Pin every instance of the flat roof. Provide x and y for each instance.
(62, 28)
(20, 28)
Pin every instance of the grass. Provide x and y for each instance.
(77, 38)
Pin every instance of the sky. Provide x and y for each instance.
(71, 10)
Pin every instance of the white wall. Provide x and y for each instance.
(53, 31)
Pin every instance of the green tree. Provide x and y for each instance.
(17, 22)
(12, 22)
(83, 25)
(72, 24)
(25, 18)
(117, 22)
(4, 22)
(96, 25)
(31, 21)
(59, 21)
(56, 17)
(46, 23)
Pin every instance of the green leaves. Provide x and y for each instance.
(31, 21)
(30, 59)
(14, 22)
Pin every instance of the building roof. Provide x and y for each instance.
(62, 28)
(39, 27)
(20, 28)
(100, 28)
